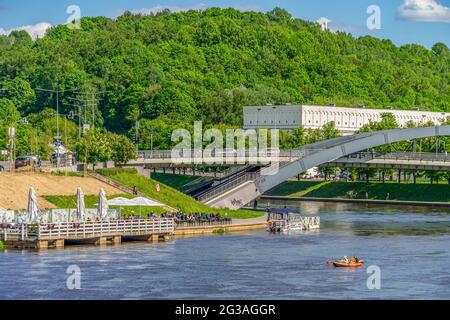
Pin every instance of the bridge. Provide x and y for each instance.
(395, 160)
(165, 158)
(244, 188)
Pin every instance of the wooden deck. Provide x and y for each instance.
(95, 232)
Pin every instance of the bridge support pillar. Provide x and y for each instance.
(59, 244)
(166, 237)
(42, 244)
(117, 240)
(101, 241)
(154, 238)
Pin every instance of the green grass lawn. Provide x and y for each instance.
(91, 202)
(376, 191)
(179, 182)
(294, 188)
(171, 196)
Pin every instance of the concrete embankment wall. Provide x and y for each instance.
(219, 229)
(236, 198)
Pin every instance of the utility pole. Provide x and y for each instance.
(11, 147)
(151, 142)
(90, 101)
(137, 135)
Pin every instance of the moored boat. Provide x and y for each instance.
(285, 222)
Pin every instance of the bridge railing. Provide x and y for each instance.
(249, 176)
(262, 155)
(417, 156)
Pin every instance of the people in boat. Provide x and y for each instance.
(350, 260)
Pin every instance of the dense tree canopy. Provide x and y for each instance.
(205, 65)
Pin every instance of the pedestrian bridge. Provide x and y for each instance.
(246, 188)
(395, 160)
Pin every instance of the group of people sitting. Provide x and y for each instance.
(182, 218)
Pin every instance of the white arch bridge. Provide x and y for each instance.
(236, 193)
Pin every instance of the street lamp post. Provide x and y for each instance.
(57, 141)
(151, 142)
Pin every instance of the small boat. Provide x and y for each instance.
(339, 264)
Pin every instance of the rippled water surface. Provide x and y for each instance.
(410, 245)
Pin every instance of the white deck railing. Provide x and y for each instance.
(87, 230)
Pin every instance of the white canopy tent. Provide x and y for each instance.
(144, 202)
(121, 202)
(136, 202)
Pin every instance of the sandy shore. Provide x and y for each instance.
(14, 188)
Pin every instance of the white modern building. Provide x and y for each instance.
(347, 120)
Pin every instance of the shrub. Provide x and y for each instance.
(114, 171)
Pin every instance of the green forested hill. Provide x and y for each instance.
(175, 67)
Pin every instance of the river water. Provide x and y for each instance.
(410, 245)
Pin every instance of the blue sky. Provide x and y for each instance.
(403, 21)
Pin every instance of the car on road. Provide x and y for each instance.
(25, 161)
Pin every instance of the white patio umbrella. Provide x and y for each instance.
(33, 209)
(136, 202)
(80, 205)
(102, 209)
(144, 202)
(121, 202)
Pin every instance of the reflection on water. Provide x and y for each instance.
(409, 244)
(374, 219)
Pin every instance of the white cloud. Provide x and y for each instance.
(424, 10)
(35, 31)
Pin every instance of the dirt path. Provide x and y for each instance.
(14, 188)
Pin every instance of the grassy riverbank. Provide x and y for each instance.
(375, 191)
(170, 196)
(179, 182)
(2, 246)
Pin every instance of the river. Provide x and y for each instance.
(410, 245)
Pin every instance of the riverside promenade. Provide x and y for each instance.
(237, 225)
(57, 235)
(45, 236)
